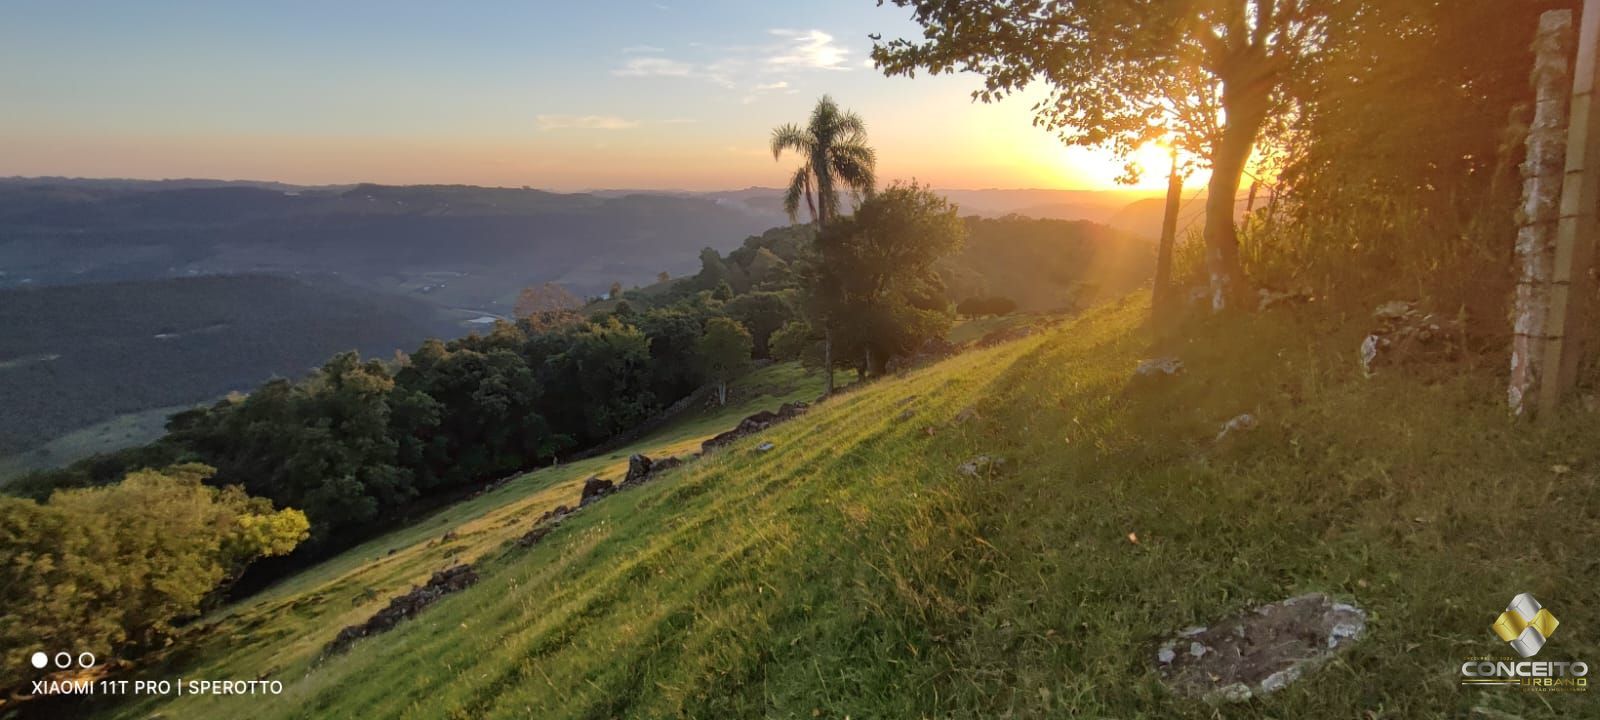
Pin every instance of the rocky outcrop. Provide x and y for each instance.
(443, 582)
(1406, 334)
(754, 424)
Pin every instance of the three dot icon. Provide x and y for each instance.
(62, 660)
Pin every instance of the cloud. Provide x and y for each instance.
(807, 50)
(654, 67)
(745, 66)
(584, 122)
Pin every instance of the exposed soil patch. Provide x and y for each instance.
(1261, 651)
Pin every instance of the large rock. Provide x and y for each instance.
(593, 489)
(638, 468)
(1259, 652)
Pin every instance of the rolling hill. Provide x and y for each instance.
(843, 565)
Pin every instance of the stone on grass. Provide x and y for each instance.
(763, 447)
(1261, 651)
(593, 489)
(980, 465)
(1239, 423)
(1158, 368)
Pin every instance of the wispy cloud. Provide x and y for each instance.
(807, 50)
(584, 122)
(752, 66)
(654, 67)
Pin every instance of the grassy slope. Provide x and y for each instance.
(851, 572)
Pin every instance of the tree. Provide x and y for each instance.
(725, 353)
(545, 298)
(615, 291)
(1210, 76)
(663, 276)
(794, 341)
(548, 307)
(762, 313)
(109, 569)
(877, 272)
(834, 152)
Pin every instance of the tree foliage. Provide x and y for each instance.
(875, 274)
(1211, 76)
(110, 569)
(724, 353)
(834, 157)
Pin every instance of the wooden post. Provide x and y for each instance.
(1575, 234)
(1540, 211)
(1161, 299)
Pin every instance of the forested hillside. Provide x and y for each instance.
(76, 355)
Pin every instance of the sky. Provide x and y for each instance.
(649, 94)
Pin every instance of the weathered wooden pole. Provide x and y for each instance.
(1161, 300)
(1540, 211)
(1570, 288)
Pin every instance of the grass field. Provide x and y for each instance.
(852, 572)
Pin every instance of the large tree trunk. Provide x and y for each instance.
(1246, 107)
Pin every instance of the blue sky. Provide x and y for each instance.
(624, 93)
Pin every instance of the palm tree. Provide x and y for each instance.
(833, 145)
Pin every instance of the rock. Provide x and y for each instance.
(764, 447)
(1239, 423)
(1261, 651)
(980, 465)
(638, 467)
(967, 413)
(593, 489)
(755, 423)
(532, 537)
(443, 582)
(1157, 368)
(448, 536)
(664, 464)
(907, 414)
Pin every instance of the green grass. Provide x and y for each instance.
(973, 329)
(852, 572)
